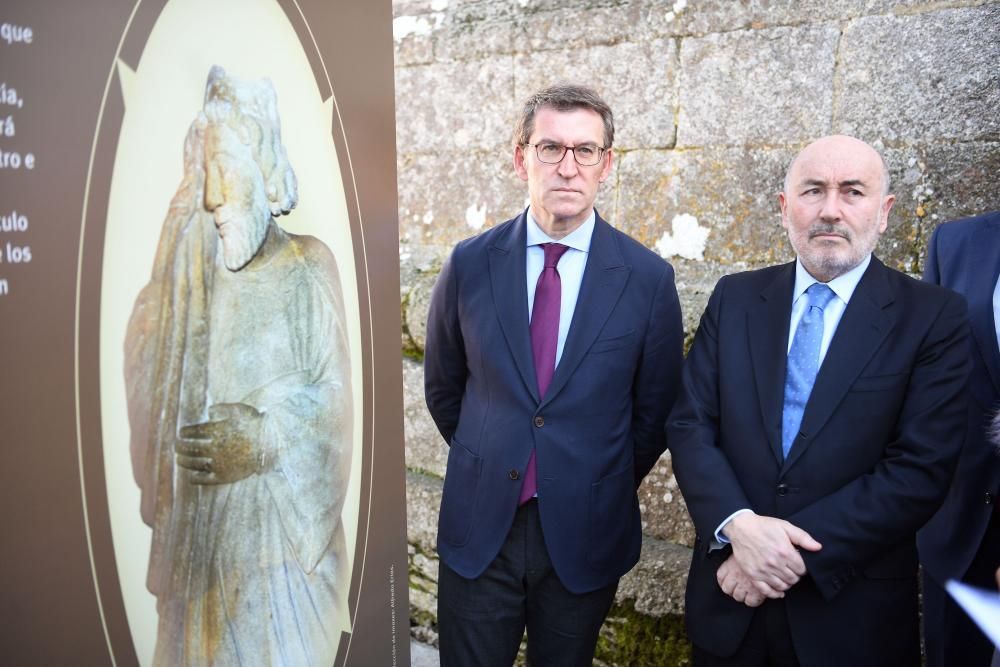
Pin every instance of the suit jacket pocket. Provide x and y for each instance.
(879, 382)
(613, 341)
(458, 502)
(612, 511)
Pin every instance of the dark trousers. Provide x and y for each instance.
(481, 621)
(951, 639)
(768, 642)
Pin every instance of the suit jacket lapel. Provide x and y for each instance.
(984, 256)
(604, 278)
(510, 297)
(860, 333)
(767, 329)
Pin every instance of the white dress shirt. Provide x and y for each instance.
(843, 287)
(570, 267)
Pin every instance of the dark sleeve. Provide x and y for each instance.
(706, 479)
(445, 369)
(866, 518)
(932, 272)
(657, 380)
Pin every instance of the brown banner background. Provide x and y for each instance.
(51, 460)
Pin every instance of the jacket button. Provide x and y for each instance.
(539, 421)
(514, 474)
(782, 489)
(989, 498)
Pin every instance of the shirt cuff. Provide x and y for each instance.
(720, 540)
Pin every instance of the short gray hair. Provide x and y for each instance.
(563, 97)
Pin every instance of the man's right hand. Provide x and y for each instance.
(766, 549)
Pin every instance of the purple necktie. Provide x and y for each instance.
(544, 341)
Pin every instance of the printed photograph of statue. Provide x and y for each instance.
(237, 372)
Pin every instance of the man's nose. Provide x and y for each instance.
(831, 206)
(213, 187)
(568, 166)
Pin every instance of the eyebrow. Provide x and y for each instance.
(852, 182)
(543, 140)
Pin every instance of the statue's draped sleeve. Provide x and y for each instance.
(307, 429)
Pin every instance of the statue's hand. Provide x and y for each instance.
(226, 449)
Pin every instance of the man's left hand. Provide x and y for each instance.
(735, 583)
(226, 449)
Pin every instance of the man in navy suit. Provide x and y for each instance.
(552, 358)
(818, 425)
(962, 541)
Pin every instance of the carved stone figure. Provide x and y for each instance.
(239, 400)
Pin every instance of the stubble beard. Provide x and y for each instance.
(826, 258)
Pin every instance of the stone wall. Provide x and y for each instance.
(712, 99)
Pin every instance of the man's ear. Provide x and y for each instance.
(884, 212)
(609, 158)
(783, 203)
(519, 166)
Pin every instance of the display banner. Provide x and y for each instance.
(200, 385)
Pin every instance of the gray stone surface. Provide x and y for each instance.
(948, 88)
(664, 513)
(453, 194)
(444, 105)
(637, 79)
(757, 86)
(656, 584)
(730, 191)
(423, 499)
(701, 17)
(426, 450)
(712, 100)
(423, 655)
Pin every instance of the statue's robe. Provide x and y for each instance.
(253, 572)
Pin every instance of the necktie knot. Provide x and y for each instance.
(820, 295)
(553, 251)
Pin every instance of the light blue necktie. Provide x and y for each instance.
(803, 363)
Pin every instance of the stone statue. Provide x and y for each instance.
(239, 399)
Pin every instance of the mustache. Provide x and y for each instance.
(818, 228)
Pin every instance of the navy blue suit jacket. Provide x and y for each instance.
(872, 461)
(598, 430)
(965, 256)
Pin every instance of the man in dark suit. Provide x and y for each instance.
(817, 429)
(962, 541)
(553, 356)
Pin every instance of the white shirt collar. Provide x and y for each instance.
(578, 239)
(843, 285)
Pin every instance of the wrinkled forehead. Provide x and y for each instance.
(579, 125)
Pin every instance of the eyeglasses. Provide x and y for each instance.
(586, 155)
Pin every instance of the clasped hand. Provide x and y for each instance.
(225, 449)
(766, 561)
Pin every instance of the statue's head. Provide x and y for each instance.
(247, 175)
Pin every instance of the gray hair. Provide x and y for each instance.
(563, 97)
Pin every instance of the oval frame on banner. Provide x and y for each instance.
(154, 90)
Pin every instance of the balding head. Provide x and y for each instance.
(841, 146)
(835, 204)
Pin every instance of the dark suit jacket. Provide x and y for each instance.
(872, 461)
(965, 256)
(598, 430)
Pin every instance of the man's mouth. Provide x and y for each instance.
(827, 233)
